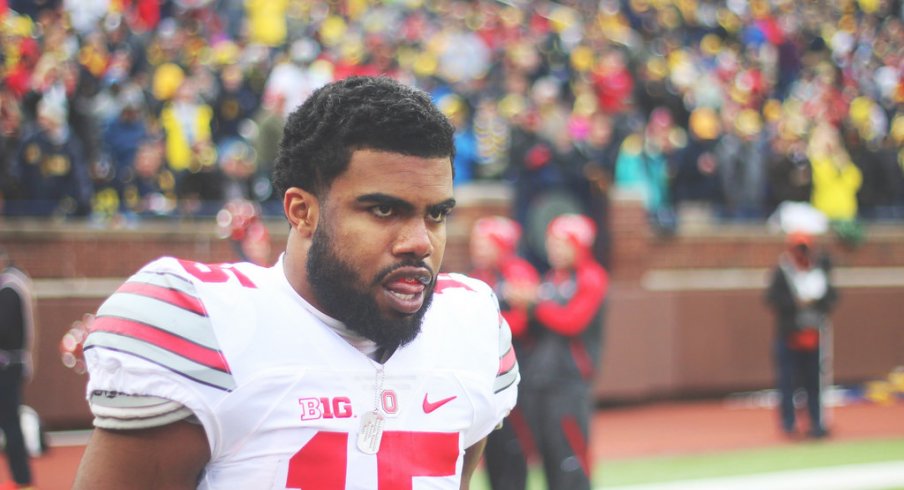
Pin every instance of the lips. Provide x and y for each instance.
(404, 289)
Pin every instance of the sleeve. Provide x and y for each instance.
(507, 376)
(505, 384)
(778, 295)
(574, 316)
(492, 358)
(501, 398)
(11, 318)
(829, 300)
(119, 411)
(517, 319)
(152, 353)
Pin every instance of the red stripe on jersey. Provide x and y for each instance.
(202, 355)
(507, 362)
(445, 282)
(171, 296)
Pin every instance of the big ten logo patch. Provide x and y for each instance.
(339, 407)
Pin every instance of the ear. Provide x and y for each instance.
(302, 209)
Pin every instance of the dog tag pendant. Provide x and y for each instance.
(371, 432)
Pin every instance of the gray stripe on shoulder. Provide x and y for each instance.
(162, 315)
(505, 380)
(162, 357)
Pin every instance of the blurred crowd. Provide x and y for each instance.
(120, 110)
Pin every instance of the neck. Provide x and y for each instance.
(295, 268)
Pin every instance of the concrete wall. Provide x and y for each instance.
(685, 316)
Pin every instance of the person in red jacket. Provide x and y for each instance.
(561, 352)
(493, 247)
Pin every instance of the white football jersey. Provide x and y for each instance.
(283, 398)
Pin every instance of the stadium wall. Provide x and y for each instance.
(685, 315)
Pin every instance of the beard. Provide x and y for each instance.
(343, 293)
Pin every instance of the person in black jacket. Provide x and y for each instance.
(801, 295)
(561, 352)
(51, 168)
(16, 328)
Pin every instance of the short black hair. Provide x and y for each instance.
(375, 113)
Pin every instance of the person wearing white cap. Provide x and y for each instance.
(801, 295)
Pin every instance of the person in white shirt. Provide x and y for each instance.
(353, 363)
(802, 296)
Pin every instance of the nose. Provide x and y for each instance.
(414, 240)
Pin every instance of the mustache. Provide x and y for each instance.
(383, 273)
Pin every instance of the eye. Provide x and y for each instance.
(438, 215)
(382, 210)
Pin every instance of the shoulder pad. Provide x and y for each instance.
(157, 315)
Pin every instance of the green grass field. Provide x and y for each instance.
(747, 462)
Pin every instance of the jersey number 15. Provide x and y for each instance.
(322, 463)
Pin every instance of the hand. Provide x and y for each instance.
(520, 294)
(72, 342)
(805, 303)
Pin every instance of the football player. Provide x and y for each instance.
(351, 364)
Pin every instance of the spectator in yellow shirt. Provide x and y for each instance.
(186, 124)
(267, 22)
(836, 179)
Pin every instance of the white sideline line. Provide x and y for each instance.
(76, 287)
(661, 280)
(68, 437)
(872, 476)
(741, 279)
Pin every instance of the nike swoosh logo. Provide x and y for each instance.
(431, 406)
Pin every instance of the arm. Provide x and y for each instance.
(828, 301)
(520, 290)
(471, 460)
(573, 317)
(778, 295)
(517, 320)
(11, 319)
(16, 326)
(171, 456)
